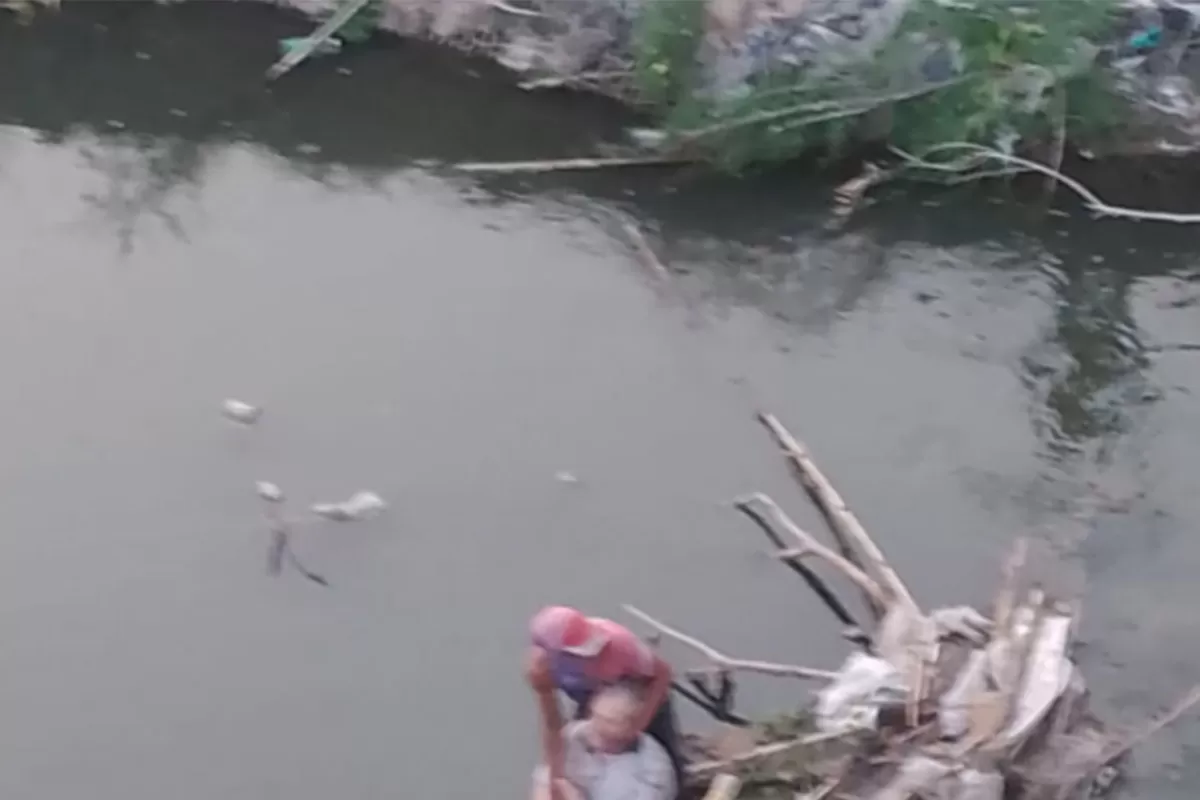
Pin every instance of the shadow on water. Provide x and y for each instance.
(949, 351)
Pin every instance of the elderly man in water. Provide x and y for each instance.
(606, 756)
(581, 655)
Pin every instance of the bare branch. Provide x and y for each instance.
(841, 519)
(723, 661)
(799, 567)
(1090, 199)
(810, 546)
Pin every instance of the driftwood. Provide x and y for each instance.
(945, 703)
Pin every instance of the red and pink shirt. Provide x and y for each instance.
(624, 657)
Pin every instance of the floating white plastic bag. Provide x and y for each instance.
(852, 700)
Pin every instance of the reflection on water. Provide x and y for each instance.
(1090, 372)
(140, 178)
(175, 231)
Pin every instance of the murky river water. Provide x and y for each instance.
(171, 234)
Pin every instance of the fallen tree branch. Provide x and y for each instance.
(799, 567)
(723, 661)
(851, 534)
(567, 164)
(809, 546)
(1090, 199)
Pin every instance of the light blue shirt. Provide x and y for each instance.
(644, 773)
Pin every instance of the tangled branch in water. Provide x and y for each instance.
(978, 154)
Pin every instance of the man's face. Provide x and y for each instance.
(612, 724)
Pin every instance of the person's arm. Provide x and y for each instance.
(656, 692)
(537, 673)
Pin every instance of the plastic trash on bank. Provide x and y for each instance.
(853, 699)
(328, 47)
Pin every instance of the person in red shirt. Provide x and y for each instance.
(578, 655)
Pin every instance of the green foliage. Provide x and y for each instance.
(666, 39)
(1021, 65)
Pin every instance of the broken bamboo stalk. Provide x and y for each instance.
(809, 545)
(723, 661)
(845, 525)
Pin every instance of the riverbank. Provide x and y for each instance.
(177, 230)
(750, 82)
(942, 90)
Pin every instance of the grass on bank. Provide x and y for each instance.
(1024, 73)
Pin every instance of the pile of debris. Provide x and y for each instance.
(947, 703)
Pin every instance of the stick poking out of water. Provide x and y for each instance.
(279, 551)
(645, 252)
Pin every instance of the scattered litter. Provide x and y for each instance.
(329, 47)
(269, 491)
(360, 506)
(863, 685)
(243, 413)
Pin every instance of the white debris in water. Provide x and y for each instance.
(269, 491)
(360, 506)
(240, 412)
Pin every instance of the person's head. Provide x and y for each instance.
(612, 718)
(566, 630)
